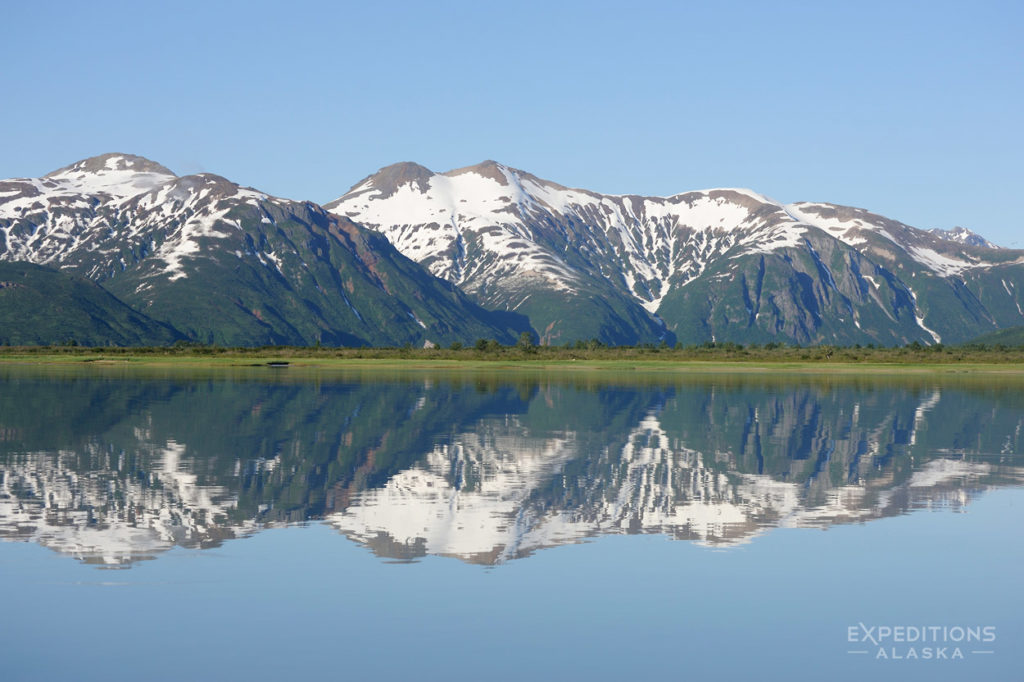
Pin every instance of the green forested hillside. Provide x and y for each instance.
(44, 306)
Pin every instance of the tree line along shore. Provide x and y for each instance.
(526, 350)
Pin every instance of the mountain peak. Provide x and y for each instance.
(112, 162)
(388, 179)
(487, 169)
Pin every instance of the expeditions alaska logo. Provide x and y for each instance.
(921, 642)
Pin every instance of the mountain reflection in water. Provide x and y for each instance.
(114, 468)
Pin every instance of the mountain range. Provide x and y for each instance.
(410, 256)
(713, 265)
(219, 263)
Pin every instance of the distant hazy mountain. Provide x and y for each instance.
(722, 264)
(961, 235)
(230, 265)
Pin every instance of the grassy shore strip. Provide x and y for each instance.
(803, 361)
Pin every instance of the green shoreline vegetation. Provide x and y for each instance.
(488, 354)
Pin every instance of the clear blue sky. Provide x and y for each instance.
(913, 110)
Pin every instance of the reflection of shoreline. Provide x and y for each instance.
(462, 470)
(994, 378)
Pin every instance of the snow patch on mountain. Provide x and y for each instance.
(846, 231)
(185, 241)
(34, 195)
(116, 183)
(199, 205)
(919, 317)
(937, 262)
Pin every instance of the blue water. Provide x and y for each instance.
(908, 533)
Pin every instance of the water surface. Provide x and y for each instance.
(261, 524)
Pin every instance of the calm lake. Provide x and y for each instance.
(269, 524)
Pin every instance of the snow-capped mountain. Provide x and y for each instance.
(202, 258)
(720, 264)
(227, 264)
